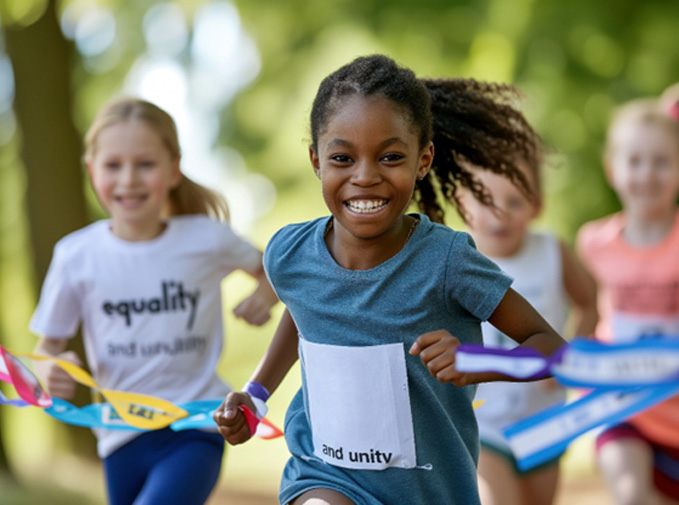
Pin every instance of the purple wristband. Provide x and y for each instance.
(255, 389)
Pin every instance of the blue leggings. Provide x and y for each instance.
(165, 467)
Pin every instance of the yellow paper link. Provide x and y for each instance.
(136, 409)
(77, 373)
(143, 411)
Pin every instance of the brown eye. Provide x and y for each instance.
(340, 158)
(392, 158)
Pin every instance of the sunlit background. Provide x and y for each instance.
(239, 78)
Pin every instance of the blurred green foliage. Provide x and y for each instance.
(574, 62)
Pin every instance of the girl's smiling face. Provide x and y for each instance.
(643, 168)
(500, 231)
(368, 159)
(132, 173)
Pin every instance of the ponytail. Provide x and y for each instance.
(475, 124)
(189, 197)
(472, 124)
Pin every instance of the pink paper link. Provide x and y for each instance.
(25, 383)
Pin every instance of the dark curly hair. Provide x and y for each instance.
(472, 124)
(476, 125)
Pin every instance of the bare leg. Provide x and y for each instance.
(321, 497)
(498, 484)
(627, 466)
(539, 487)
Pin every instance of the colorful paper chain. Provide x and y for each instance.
(622, 380)
(122, 410)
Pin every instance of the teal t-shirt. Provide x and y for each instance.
(437, 281)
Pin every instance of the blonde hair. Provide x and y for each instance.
(640, 111)
(188, 197)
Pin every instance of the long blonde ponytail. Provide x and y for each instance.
(189, 197)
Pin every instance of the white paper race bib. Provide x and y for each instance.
(359, 405)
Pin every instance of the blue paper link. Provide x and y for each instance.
(102, 415)
(572, 420)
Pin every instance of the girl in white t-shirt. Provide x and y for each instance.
(145, 287)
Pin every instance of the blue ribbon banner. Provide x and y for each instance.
(102, 415)
(539, 438)
(624, 379)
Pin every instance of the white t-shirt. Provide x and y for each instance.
(151, 311)
(537, 270)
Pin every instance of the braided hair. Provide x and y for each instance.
(472, 124)
(375, 75)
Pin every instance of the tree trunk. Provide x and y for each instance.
(50, 151)
(5, 470)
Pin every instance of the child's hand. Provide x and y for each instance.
(57, 382)
(256, 308)
(437, 351)
(231, 421)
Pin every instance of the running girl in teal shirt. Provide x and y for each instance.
(378, 300)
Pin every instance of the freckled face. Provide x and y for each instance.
(368, 160)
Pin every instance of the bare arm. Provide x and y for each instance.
(517, 319)
(514, 316)
(256, 308)
(581, 290)
(272, 369)
(280, 356)
(51, 346)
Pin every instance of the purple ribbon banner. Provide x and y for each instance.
(582, 363)
(624, 379)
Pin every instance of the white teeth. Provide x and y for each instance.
(365, 206)
(130, 201)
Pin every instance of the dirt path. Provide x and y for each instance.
(575, 489)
